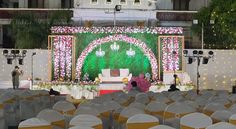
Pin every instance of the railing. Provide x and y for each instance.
(8, 13)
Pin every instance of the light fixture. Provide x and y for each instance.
(130, 52)
(100, 52)
(14, 54)
(205, 60)
(5, 52)
(115, 47)
(185, 52)
(117, 7)
(21, 62)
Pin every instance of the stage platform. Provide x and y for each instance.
(105, 88)
(90, 91)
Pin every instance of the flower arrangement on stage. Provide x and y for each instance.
(142, 83)
(62, 53)
(170, 53)
(153, 30)
(118, 37)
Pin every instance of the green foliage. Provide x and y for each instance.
(115, 60)
(30, 31)
(222, 34)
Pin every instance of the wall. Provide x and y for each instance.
(144, 4)
(40, 66)
(219, 73)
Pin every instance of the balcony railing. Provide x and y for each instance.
(9, 13)
(165, 15)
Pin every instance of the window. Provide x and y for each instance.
(136, 1)
(94, 1)
(66, 3)
(122, 1)
(181, 4)
(36, 3)
(108, 2)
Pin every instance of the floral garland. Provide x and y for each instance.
(153, 30)
(118, 37)
(62, 52)
(170, 60)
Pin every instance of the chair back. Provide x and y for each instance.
(64, 107)
(34, 123)
(162, 127)
(221, 125)
(195, 121)
(141, 121)
(221, 116)
(53, 117)
(87, 121)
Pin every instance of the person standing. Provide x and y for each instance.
(15, 77)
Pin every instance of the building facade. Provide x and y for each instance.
(103, 13)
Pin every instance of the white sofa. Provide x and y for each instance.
(105, 76)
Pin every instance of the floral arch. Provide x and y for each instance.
(118, 37)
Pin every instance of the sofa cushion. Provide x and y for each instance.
(124, 72)
(106, 72)
(115, 73)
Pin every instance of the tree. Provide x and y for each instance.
(30, 31)
(222, 34)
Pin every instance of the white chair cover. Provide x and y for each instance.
(86, 120)
(64, 107)
(195, 121)
(212, 107)
(221, 125)
(86, 110)
(141, 121)
(161, 127)
(191, 103)
(80, 127)
(34, 122)
(142, 98)
(156, 109)
(221, 116)
(53, 117)
(175, 111)
(137, 105)
(232, 119)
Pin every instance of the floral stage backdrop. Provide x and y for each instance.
(77, 51)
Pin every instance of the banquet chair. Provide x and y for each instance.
(87, 121)
(212, 107)
(191, 95)
(34, 123)
(192, 104)
(141, 121)
(233, 108)
(137, 105)
(150, 95)
(56, 119)
(223, 101)
(221, 125)
(156, 109)
(107, 114)
(161, 127)
(221, 116)
(2, 118)
(176, 96)
(64, 107)
(201, 101)
(142, 98)
(86, 110)
(125, 114)
(161, 98)
(175, 111)
(80, 127)
(195, 121)
(232, 98)
(10, 108)
(232, 119)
